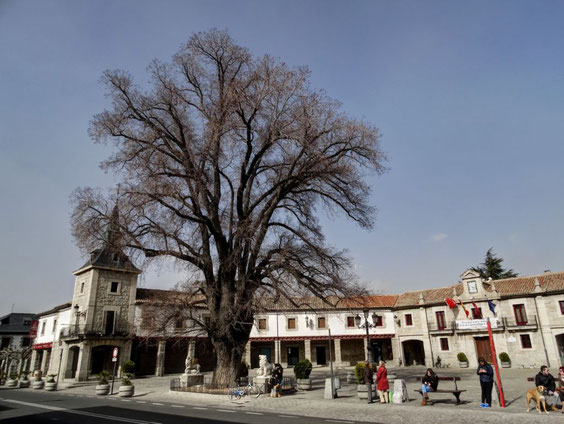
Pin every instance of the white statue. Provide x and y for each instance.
(191, 368)
(265, 367)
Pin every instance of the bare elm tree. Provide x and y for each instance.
(223, 163)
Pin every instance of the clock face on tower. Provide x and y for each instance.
(472, 287)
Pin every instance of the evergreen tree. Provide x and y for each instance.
(491, 267)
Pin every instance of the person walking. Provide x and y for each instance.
(382, 383)
(429, 383)
(485, 371)
(368, 377)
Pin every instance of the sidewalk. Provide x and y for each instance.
(349, 407)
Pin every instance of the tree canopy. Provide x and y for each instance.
(491, 267)
(223, 164)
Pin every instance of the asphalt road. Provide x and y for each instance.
(32, 407)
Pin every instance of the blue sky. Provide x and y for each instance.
(469, 97)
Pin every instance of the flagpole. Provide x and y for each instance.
(497, 376)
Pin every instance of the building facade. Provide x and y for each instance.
(107, 310)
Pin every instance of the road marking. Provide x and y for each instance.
(288, 416)
(125, 400)
(76, 412)
(254, 413)
(140, 401)
(177, 406)
(225, 410)
(339, 421)
(156, 403)
(199, 407)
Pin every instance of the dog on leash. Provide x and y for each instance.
(538, 396)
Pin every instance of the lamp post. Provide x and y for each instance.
(367, 326)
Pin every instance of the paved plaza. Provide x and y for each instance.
(349, 408)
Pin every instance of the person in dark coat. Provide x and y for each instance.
(368, 380)
(544, 378)
(485, 371)
(429, 383)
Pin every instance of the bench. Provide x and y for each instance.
(456, 392)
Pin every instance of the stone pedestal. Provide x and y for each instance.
(187, 380)
(262, 381)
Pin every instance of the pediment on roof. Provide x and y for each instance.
(470, 273)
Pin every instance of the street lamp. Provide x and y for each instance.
(367, 326)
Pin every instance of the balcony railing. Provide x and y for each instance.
(94, 330)
(445, 328)
(530, 323)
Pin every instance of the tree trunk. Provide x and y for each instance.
(228, 363)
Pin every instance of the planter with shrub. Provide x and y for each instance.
(51, 384)
(361, 389)
(129, 367)
(127, 389)
(38, 383)
(12, 381)
(462, 360)
(25, 382)
(302, 371)
(505, 360)
(103, 387)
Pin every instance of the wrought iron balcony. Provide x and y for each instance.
(530, 323)
(445, 328)
(95, 330)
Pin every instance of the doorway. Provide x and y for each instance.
(413, 352)
(102, 359)
(109, 327)
(483, 348)
(320, 355)
(293, 355)
(560, 347)
(73, 361)
(267, 351)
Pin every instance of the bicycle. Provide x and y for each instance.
(250, 389)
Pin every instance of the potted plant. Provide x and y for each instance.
(127, 389)
(129, 367)
(103, 387)
(361, 389)
(505, 360)
(38, 383)
(302, 371)
(25, 382)
(51, 384)
(462, 360)
(13, 380)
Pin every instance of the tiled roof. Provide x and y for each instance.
(549, 282)
(429, 296)
(109, 258)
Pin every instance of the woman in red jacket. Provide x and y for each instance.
(383, 385)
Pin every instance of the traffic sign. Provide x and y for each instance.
(115, 354)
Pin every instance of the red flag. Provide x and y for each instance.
(451, 303)
(478, 312)
(463, 308)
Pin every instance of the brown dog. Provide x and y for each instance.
(537, 395)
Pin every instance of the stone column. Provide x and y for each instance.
(307, 349)
(277, 355)
(248, 353)
(83, 362)
(33, 360)
(44, 362)
(159, 369)
(338, 359)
